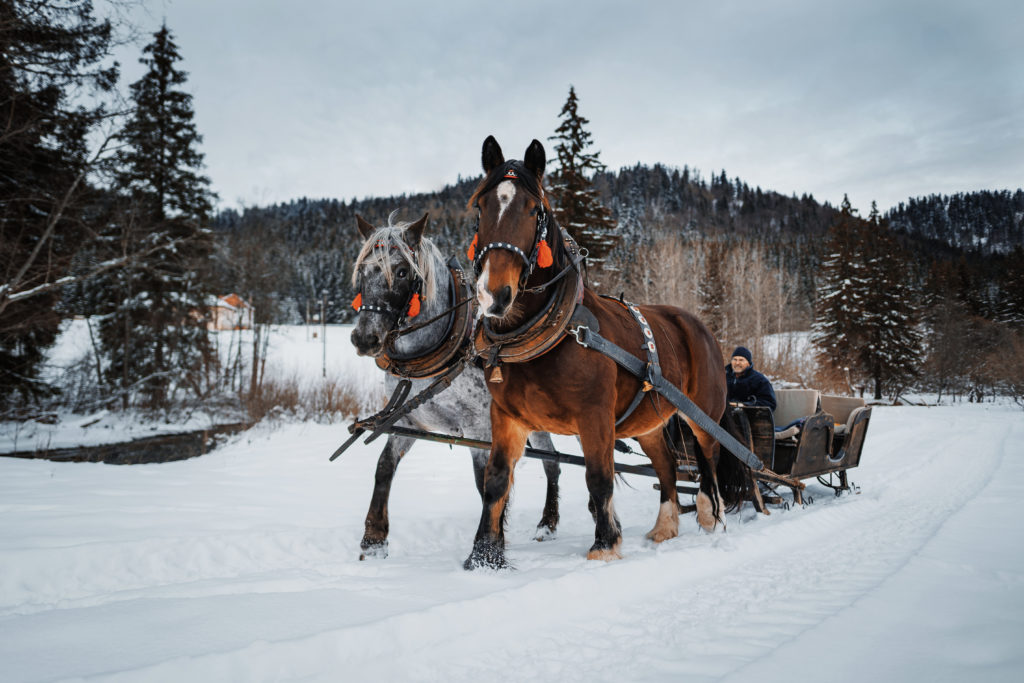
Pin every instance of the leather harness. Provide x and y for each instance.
(441, 358)
(539, 334)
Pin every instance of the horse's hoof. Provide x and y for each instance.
(486, 555)
(545, 533)
(667, 524)
(373, 550)
(706, 515)
(605, 554)
(661, 535)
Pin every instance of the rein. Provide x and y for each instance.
(396, 332)
(565, 271)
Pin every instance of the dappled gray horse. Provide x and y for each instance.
(403, 282)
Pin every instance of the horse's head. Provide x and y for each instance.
(394, 271)
(513, 219)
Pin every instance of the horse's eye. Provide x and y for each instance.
(402, 272)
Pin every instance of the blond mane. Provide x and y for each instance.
(425, 261)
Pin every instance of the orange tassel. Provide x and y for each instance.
(414, 305)
(358, 301)
(544, 258)
(471, 252)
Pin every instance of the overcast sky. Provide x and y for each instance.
(882, 100)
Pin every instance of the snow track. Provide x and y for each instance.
(241, 566)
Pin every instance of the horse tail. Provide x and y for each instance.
(734, 480)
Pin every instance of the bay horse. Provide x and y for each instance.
(397, 265)
(556, 385)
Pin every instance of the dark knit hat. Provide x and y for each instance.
(743, 351)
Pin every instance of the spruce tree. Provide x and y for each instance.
(50, 54)
(154, 332)
(891, 347)
(576, 203)
(1011, 310)
(712, 293)
(838, 330)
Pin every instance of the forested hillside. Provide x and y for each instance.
(307, 246)
(315, 240)
(987, 221)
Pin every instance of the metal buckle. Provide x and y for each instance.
(579, 334)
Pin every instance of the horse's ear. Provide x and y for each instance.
(414, 233)
(365, 229)
(491, 156)
(535, 159)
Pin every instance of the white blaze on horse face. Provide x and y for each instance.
(506, 192)
(482, 294)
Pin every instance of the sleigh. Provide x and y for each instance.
(808, 435)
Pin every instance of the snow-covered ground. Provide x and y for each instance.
(242, 565)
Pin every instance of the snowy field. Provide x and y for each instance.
(242, 565)
(298, 352)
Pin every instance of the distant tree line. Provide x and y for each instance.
(988, 222)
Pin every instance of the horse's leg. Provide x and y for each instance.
(375, 537)
(549, 517)
(508, 438)
(479, 456)
(597, 441)
(667, 524)
(710, 506)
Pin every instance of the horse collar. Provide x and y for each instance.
(447, 353)
(539, 334)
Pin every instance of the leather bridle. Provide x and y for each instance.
(512, 171)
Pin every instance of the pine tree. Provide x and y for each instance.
(1012, 286)
(577, 206)
(838, 329)
(713, 290)
(50, 54)
(891, 347)
(154, 332)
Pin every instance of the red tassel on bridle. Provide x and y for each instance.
(544, 258)
(358, 301)
(471, 252)
(414, 305)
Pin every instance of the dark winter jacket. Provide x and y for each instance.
(751, 388)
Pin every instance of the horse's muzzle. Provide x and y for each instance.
(502, 301)
(367, 343)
